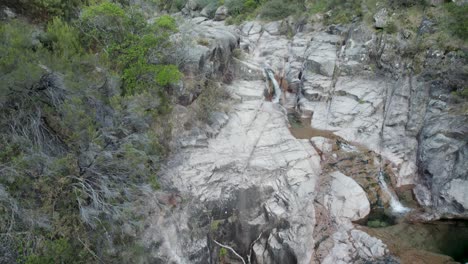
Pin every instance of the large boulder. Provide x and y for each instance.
(322, 54)
(381, 18)
(347, 199)
(274, 28)
(192, 5)
(221, 13)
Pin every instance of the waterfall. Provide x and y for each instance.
(395, 204)
(271, 76)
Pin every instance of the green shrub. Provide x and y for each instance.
(179, 4)
(209, 99)
(47, 9)
(461, 93)
(165, 22)
(18, 61)
(63, 38)
(134, 54)
(318, 6)
(457, 21)
(54, 98)
(278, 9)
(391, 28)
(204, 3)
(235, 7)
(222, 254)
(250, 5)
(57, 251)
(103, 25)
(237, 53)
(343, 11)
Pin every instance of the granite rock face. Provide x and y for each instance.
(380, 18)
(251, 185)
(347, 198)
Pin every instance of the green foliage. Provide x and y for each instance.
(73, 150)
(47, 9)
(179, 4)
(279, 9)
(250, 5)
(57, 251)
(103, 25)
(209, 99)
(209, 5)
(237, 53)
(461, 93)
(153, 180)
(215, 225)
(343, 11)
(222, 253)
(235, 7)
(167, 23)
(457, 22)
(170, 5)
(133, 57)
(391, 28)
(318, 6)
(17, 58)
(63, 38)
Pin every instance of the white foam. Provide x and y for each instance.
(395, 204)
(271, 76)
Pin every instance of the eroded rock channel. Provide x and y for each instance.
(319, 159)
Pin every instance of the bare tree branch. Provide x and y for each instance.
(232, 250)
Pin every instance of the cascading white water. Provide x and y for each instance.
(276, 86)
(395, 204)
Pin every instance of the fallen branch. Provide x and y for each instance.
(232, 250)
(251, 247)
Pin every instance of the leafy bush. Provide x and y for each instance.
(318, 6)
(17, 57)
(461, 93)
(103, 25)
(75, 148)
(343, 11)
(278, 9)
(457, 20)
(391, 28)
(235, 7)
(133, 56)
(209, 99)
(204, 3)
(170, 5)
(57, 251)
(47, 9)
(63, 39)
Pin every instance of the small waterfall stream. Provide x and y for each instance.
(395, 204)
(271, 76)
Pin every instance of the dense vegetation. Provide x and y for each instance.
(84, 101)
